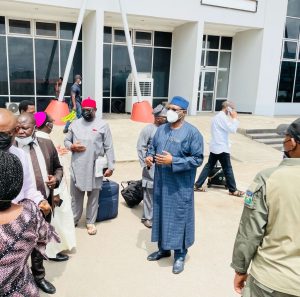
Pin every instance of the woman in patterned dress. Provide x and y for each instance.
(22, 228)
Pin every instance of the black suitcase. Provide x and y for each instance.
(133, 192)
(216, 177)
(108, 201)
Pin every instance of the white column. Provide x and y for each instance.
(185, 62)
(93, 57)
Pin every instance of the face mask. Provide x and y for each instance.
(172, 116)
(88, 115)
(25, 140)
(5, 141)
(79, 83)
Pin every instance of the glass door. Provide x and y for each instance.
(206, 90)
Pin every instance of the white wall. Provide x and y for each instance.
(244, 72)
(93, 57)
(270, 56)
(287, 109)
(185, 63)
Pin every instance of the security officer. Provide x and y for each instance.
(268, 234)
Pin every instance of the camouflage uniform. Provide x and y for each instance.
(268, 234)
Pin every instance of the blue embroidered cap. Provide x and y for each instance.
(179, 101)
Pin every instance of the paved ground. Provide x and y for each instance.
(113, 263)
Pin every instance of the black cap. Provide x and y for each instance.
(293, 129)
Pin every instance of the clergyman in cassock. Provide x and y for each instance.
(145, 139)
(89, 138)
(177, 150)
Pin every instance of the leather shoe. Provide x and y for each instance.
(178, 266)
(45, 286)
(60, 257)
(158, 255)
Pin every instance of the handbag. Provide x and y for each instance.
(133, 192)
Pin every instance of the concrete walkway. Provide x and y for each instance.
(113, 263)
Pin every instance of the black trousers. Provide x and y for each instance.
(37, 266)
(224, 159)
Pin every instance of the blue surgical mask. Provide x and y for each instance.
(25, 140)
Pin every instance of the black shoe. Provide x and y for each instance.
(178, 266)
(45, 286)
(158, 255)
(60, 257)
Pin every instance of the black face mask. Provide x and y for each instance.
(5, 141)
(88, 115)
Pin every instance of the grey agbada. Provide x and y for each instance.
(97, 139)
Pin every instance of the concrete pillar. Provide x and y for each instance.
(93, 57)
(244, 70)
(185, 62)
(275, 14)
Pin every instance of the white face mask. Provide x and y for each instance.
(25, 140)
(172, 116)
(79, 83)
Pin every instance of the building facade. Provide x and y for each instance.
(205, 50)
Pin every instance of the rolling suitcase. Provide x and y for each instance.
(216, 177)
(108, 201)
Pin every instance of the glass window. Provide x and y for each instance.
(42, 103)
(297, 85)
(157, 101)
(107, 34)
(213, 42)
(224, 60)
(119, 35)
(76, 67)
(209, 81)
(211, 58)
(292, 28)
(46, 61)
(143, 58)
(202, 58)
(106, 105)
(222, 85)
(118, 105)
(3, 101)
(19, 26)
(21, 98)
(106, 69)
(21, 72)
(67, 31)
(2, 25)
(143, 37)
(121, 68)
(161, 72)
(226, 43)
(3, 67)
(204, 41)
(286, 82)
(207, 101)
(163, 39)
(46, 29)
(289, 51)
(293, 8)
(218, 105)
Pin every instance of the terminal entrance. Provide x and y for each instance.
(206, 90)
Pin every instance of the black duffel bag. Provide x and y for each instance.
(133, 192)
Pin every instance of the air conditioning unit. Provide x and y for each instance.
(146, 86)
(13, 107)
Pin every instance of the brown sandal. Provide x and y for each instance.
(201, 189)
(237, 193)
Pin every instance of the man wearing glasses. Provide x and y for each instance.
(268, 235)
(177, 151)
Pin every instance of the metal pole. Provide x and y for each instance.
(72, 50)
(130, 52)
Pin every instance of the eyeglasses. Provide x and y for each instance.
(175, 109)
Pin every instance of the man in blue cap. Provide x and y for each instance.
(177, 151)
(145, 139)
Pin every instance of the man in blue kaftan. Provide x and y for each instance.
(177, 151)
